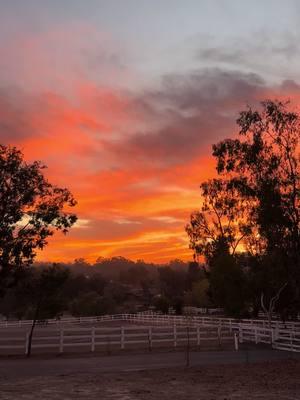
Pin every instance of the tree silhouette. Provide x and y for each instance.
(254, 204)
(222, 217)
(31, 210)
(44, 294)
(263, 165)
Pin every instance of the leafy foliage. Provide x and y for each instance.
(221, 217)
(31, 209)
(254, 206)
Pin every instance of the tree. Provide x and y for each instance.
(227, 281)
(269, 309)
(198, 295)
(194, 274)
(162, 304)
(31, 210)
(90, 303)
(263, 165)
(221, 218)
(134, 275)
(172, 282)
(254, 205)
(44, 292)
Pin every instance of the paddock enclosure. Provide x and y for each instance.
(143, 332)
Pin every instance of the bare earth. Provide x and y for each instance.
(278, 380)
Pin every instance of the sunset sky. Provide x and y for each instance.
(122, 99)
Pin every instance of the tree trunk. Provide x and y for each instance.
(35, 318)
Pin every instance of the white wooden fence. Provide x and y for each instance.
(63, 321)
(114, 338)
(280, 336)
(279, 339)
(230, 323)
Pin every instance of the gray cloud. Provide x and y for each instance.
(14, 121)
(198, 109)
(274, 55)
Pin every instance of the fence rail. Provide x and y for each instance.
(157, 329)
(62, 321)
(115, 338)
(279, 339)
(230, 323)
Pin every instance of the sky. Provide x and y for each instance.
(122, 100)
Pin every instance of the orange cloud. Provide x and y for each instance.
(133, 160)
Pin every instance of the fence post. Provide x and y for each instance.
(187, 346)
(175, 335)
(61, 340)
(108, 344)
(26, 342)
(93, 338)
(272, 336)
(150, 338)
(276, 334)
(219, 335)
(236, 341)
(122, 338)
(240, 334)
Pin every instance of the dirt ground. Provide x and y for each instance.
(274, 380)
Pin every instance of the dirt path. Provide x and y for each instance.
(22, 368)
(279, 380)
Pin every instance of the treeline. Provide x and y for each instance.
(112, 285)
(118, 285)
(114, 267)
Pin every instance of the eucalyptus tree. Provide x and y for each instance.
(31, 210)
